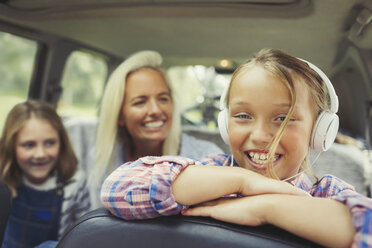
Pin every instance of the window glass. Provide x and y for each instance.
(198, 89)
(17, 58)
(83, 82)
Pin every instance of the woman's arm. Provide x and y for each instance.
(324, 221)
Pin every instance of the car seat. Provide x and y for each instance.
(99, 228)
(5, 206)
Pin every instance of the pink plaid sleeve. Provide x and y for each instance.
(142, 189)
(359, 206)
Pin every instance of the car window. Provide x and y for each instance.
(82, 83)
(17, 58)
(198, 88)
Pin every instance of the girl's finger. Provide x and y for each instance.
(197, 211)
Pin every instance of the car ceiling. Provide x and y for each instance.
(193, 32)
(333, 34)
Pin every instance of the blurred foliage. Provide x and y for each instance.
(17, 57)
(83, 82)
(16, 63)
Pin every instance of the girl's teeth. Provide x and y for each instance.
(260, 158)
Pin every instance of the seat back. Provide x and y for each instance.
(99, 228)
(82, 134)
(5, 206)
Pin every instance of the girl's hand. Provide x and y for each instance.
(244, 211)
(256, 184)
(321, 220)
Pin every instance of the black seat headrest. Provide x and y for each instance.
(99, 228)
(5, 207)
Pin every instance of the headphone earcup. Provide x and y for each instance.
(324, 131)
(222, 125)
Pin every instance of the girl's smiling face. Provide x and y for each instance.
(259, 103)
(37, 149)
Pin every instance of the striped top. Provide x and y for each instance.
(142, 190)
(76, 201)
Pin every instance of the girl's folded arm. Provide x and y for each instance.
(337, 217)
(359, 206)
(154, 186)
(198, 184)
(324, 221)
(142, 189)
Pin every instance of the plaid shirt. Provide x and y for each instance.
(142, 190)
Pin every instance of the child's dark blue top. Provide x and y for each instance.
(34, 218)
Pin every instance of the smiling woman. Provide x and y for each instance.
(146, 112)
(139, 117)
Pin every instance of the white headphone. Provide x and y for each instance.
(325, 128)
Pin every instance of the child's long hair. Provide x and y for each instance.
(288, 69)
(108, 131)
(10, 172)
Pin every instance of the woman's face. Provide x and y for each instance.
(259, 103)
(147, 107)
(37, 148)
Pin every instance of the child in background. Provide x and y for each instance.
(276, 109)
(40, 168)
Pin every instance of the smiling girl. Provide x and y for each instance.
(276, 109)
(40, 168)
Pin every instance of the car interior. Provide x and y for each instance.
(65, 50)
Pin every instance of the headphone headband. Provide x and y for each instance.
(331, 90)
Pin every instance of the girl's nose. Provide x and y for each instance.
(40, 152)
(261, 133)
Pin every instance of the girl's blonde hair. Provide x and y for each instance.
(287, 68)
(108, 130)
(10, 172)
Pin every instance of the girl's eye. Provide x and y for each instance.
(28, 145)
(282, 118)
(242, 116)
(51, 142)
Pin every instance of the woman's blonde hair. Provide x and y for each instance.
(287, 68)
(10, 171)
(108, 131)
